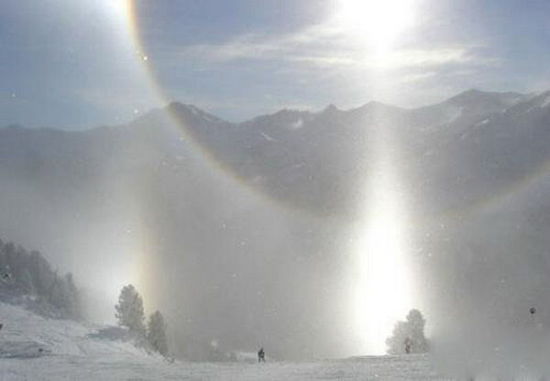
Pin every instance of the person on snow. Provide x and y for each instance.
(261, 355)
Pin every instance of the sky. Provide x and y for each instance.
(79, 64)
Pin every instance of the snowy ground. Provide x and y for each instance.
(35, 348)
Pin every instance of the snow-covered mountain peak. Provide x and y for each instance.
(287, 118)
(192, 111)
(375, 106)
(475, 98)
(330, 109)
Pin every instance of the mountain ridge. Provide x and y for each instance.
(470, 96)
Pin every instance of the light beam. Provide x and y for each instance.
(384, 287)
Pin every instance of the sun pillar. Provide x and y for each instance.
(384, 290)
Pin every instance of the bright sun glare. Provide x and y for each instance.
(377, 23)
(384, 289)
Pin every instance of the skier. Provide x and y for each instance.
(261, 355)
(408, 345)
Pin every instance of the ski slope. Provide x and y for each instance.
(36, 348)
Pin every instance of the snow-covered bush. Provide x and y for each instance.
(408, 336)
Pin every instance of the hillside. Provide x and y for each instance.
(32, 347)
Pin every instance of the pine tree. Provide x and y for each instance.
(416, 323)
(411, 331)
(129, 310)
(42, 274)
(156, 333)
(73, 303)
(26, 282)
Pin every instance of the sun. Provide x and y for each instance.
(377, 23)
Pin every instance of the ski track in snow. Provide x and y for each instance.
(68, 352)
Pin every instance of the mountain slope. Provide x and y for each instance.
(43, 349)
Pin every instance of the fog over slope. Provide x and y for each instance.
(241, 232)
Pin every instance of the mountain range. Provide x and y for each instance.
(240, 231)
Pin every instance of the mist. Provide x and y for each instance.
(244, 234)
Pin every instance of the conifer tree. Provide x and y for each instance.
(156, 333)
(129, 310)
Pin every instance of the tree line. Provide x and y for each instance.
(130, 314)
(28, 274)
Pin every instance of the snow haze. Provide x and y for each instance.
(249, 241)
